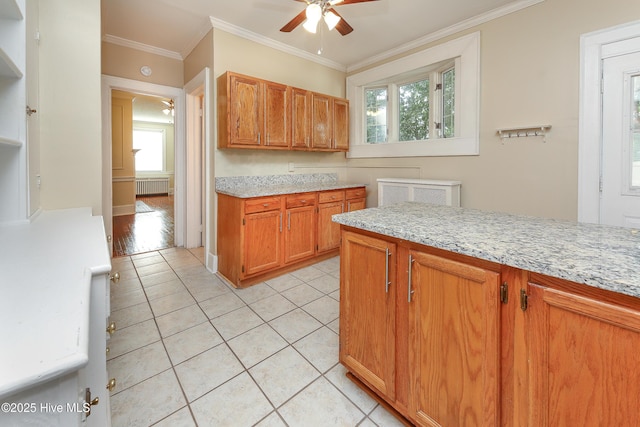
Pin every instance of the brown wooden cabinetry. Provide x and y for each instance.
(482, 344)
(265, 236)
(262, 235)
(300, 118)
(329, 204)
(368, 310)
(453, 342)
(584, 360)
(300, 230)
(329, 123)
(259, 114)
(336, 202)
(252, 113)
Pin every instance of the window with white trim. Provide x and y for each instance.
(425, 104)
(151, 146)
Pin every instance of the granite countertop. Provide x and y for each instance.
(600, 256)
(246, 187)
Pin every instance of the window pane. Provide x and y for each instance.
(151, 154)
(376, 101)
(414, 111)
(448, 103)
(635, 131)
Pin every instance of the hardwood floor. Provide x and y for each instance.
(150, 229)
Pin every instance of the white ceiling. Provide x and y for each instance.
(174, 27)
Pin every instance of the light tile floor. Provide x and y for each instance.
(191, 350)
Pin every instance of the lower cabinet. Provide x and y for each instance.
(584, 360)
(453, 342)
(262, 241)
(300, 230)
(449, 340)
(268, 235)
(368, 311)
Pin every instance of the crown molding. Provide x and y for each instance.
(107, 38)
(453, 29)
(258, 38)
(204, 29)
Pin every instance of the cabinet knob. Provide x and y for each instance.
(116, 277)
(112, 384)
(111, 328)
(30, 111)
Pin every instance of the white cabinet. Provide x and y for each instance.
(53, 320)
(438, 192)
(14, 153)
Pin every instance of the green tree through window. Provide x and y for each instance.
(414, 110)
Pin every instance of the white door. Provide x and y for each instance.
(620, 182)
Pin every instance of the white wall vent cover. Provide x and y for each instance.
(397, 190)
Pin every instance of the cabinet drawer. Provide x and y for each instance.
(331, 196)
(263, 204)
(299, 200)
(356, 193)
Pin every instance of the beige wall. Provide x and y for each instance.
(120, 61)
(70, 109)
(529, 76)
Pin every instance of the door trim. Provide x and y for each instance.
(110, 83)
(199, 86)
(592, 52)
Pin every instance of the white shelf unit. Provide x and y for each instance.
(439, 192)
(13, 123)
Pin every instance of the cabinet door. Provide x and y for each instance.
(262, 242)
(300, 235)
(245, 113)
(367, 310)
(356, 204)
(341, 124)
(328, 231)
(276, 117)
(321, 118)
(584, 360)
(300, 118)
(453, 342)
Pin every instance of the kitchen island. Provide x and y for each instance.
(462, 317)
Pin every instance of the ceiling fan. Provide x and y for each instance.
(321, 9)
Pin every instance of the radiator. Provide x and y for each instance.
(396, 190)
(147, 186)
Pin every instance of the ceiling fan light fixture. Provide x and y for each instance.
(310, 26)
(331, 19)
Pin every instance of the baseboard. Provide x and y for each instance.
(212, 263)
(124, 210)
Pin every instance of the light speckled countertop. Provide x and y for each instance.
(246, 187)
(600, 256)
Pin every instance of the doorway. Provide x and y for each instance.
(608, 129)
(111, 84)
(143, 185)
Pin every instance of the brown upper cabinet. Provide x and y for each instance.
(252, 113)
(259, 114)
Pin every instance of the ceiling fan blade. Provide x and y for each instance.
(343, 27)
(299, 19)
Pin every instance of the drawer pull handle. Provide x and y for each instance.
(265, 205)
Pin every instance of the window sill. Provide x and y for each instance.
(432, 148)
